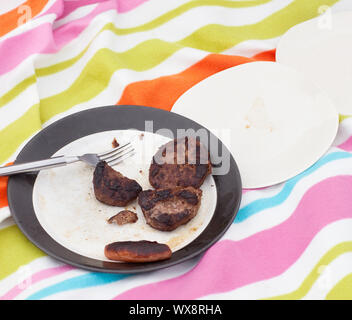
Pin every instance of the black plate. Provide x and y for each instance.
(54, 137)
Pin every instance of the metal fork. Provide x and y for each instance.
(112, 157)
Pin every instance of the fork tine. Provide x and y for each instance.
(116, 153)
(106, 153)
(122, 157)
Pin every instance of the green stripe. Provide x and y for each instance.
(148, 26)
(304, 288)
(344, 117)
(46, 71)
(15, 251)
(15, 91)
(213, 38)
(98, 71)
(96, 75)
(217, 38)
(184, 8)
(342, 290)
(14, 134)
(41, 72)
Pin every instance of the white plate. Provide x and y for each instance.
(65, 205)
(322, 49)
(275, 122)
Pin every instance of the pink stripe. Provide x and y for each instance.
(73, 29)
(128, 5)
(123, 5)
(347, 145)
(57, 8)
(72, 5)
(229, 265)
(39, 276)
(43, 39)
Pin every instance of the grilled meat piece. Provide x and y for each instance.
(167, 209)
(114, 143)
(124, 217)
(137, 251)
(182, 162)
(112, 188)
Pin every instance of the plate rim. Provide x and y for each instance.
(135, 268)
(288, 68)
(303, 27)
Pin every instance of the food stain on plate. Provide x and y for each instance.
(65, 205)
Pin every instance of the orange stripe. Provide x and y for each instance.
(266, 55)
(163, 92)
(3, 191)
(12, 19)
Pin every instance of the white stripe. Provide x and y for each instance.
(30, 25)
(327, 238)
(98, 43)
(291, 279)
(276, 215)
(15, 76)
(78, 44)
(75, 15)
(111, 290)
(18, 106)
(274, 190)
(61, 81)
(344, 132)
(174, 30)
(176, 63)
(27, 271)
(268, 192)
(35, 22)
(5, 222)
(342, 5)
(330, 276)
(7, 6)
(34, 288)
(14, 155)
(233, 234)
(148, 11)
(250, 48)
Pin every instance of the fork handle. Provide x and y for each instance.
(37, 165)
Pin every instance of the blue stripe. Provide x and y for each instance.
(96, 279)
(266, 203)
(79, 282)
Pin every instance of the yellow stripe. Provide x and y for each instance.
(14, 134)
(306, 285)
(15, 91)
(216, 38)
(97, 73)
(15, 251)
(166, 17)
(342, 290)
(344, 117)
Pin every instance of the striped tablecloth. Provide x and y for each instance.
(292, 240)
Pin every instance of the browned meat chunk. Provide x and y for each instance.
(124, 217)
(114, 143)
(137, 251)
(181, 162)
(167, 209)
(112, 188)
